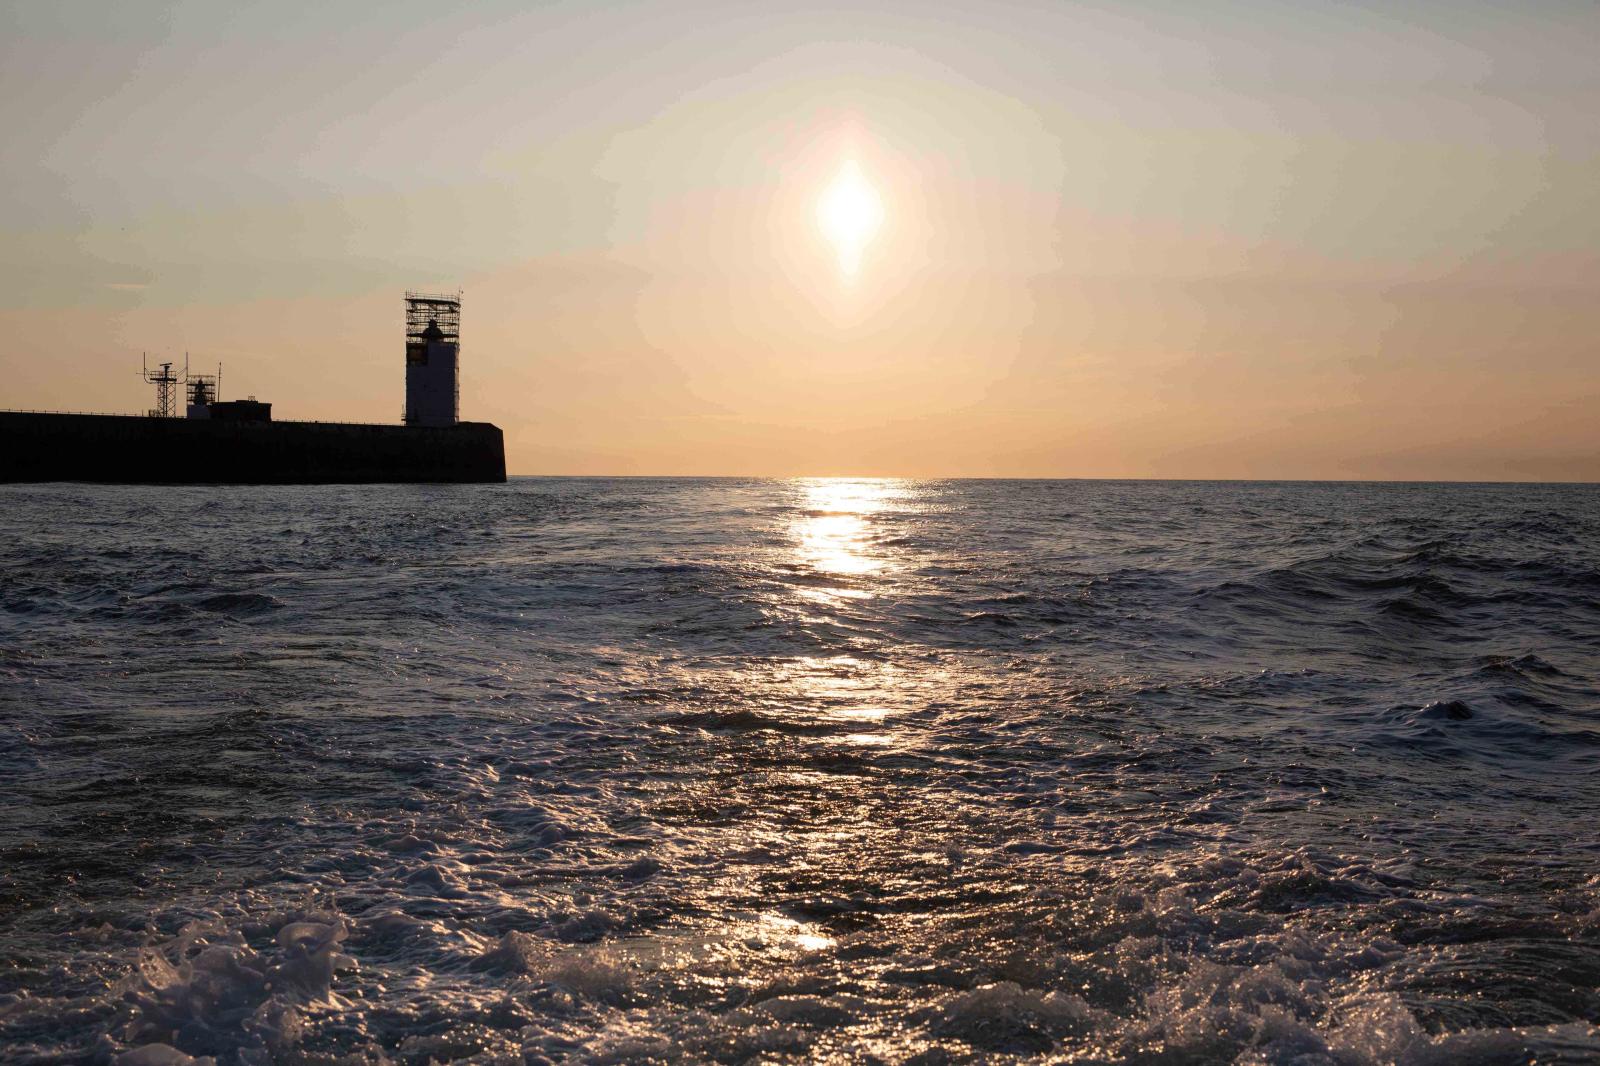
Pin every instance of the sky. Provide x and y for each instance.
(1240, 239)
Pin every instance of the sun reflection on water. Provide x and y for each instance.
(803, 936)
(803, 801)
(834, 533)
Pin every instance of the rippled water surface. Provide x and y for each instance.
(678, 770)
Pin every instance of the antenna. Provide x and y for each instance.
(166, 383)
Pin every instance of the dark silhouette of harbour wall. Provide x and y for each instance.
(173, 451)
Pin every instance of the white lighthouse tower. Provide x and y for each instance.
(433, 342)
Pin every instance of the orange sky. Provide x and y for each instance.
(1278, 240)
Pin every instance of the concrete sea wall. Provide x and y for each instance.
(133, 449)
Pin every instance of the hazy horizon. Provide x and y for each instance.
(1267, 241)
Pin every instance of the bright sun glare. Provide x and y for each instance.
(850, 213)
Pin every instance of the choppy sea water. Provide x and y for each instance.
(702, 770)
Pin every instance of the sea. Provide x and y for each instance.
(784, 771)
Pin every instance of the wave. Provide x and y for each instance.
(581, 770)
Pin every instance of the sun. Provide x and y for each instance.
(850, 213)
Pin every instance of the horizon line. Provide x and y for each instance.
(1070, 477)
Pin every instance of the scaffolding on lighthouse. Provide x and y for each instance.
(433, 346)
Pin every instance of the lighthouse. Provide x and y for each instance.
(433, 343)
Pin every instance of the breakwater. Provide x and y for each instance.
(131, 449)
